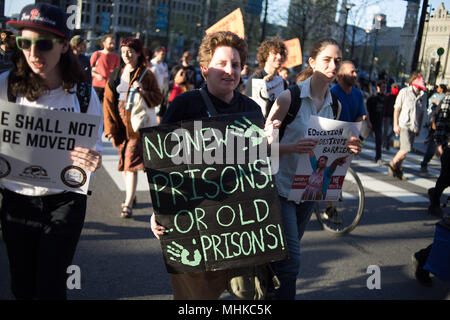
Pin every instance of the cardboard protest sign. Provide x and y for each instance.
(234, 22)
(320, 174)
(213, 190)
(265, 93)
(294, 57)
(35, 145)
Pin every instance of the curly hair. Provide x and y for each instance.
(275, 45)
(24, 82)
(221, 39)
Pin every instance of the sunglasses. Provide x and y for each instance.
(42, 44)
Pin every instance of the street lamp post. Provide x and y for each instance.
(348, 6)
(425, 38)
(365, 47)
(377, 26)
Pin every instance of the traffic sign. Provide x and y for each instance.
(440, 51)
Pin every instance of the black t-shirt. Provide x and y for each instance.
(190, 106)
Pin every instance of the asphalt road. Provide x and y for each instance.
(121, 259)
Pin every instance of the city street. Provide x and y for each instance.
(121, 259)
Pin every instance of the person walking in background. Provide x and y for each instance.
(433, 103)
(116, 113)
(103, 62)
(159, 67)
(7, 47)
(348, 94)
(177, 86)
(441, 137)
(388, 116)
(41, 226)
(408, 116)
(161, 72)
(375, 107)
(271, 55)
(284, 73)
(191, 74)
(78, 45)
(316, 99)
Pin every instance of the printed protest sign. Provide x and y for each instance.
(234, 22)
(213, 190)
(320, 174)
(35, 145)
(294, 57)
(265, 93)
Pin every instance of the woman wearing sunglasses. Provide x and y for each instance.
(41, 226)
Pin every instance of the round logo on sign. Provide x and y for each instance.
(73, 176)
(5, 167)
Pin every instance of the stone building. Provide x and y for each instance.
(436, 34)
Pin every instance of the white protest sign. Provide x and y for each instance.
(320, 174)
(263, 91)
(35, 145)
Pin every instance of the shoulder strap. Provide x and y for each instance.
(211, 109)
(334, 105)
(142, 75)
(84, 95)
(293, 108)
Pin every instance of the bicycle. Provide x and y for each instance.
(349, 207)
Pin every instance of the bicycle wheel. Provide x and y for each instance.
(349, 208)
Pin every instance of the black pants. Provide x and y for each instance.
(41, 235)
(443, 180)
(100, 93)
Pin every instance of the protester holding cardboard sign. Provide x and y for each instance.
(315, 99)
(222, 56)
(41, 226)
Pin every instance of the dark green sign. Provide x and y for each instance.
(213, 190)
(440, 51)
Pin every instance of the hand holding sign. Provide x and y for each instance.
(354, 145)
(88, 159)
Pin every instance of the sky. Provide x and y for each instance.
(394, 10)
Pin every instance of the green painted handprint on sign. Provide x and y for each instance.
(180, 254)
(250, 129)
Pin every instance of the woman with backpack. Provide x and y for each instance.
(315, 99)
(41, 226)
(117, 114)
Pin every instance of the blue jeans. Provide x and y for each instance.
(295, 219)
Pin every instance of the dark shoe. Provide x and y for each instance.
(435, 211)
(400, 174)
(332, 215)
(422, 275)
(434, 198)
(424, 169)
